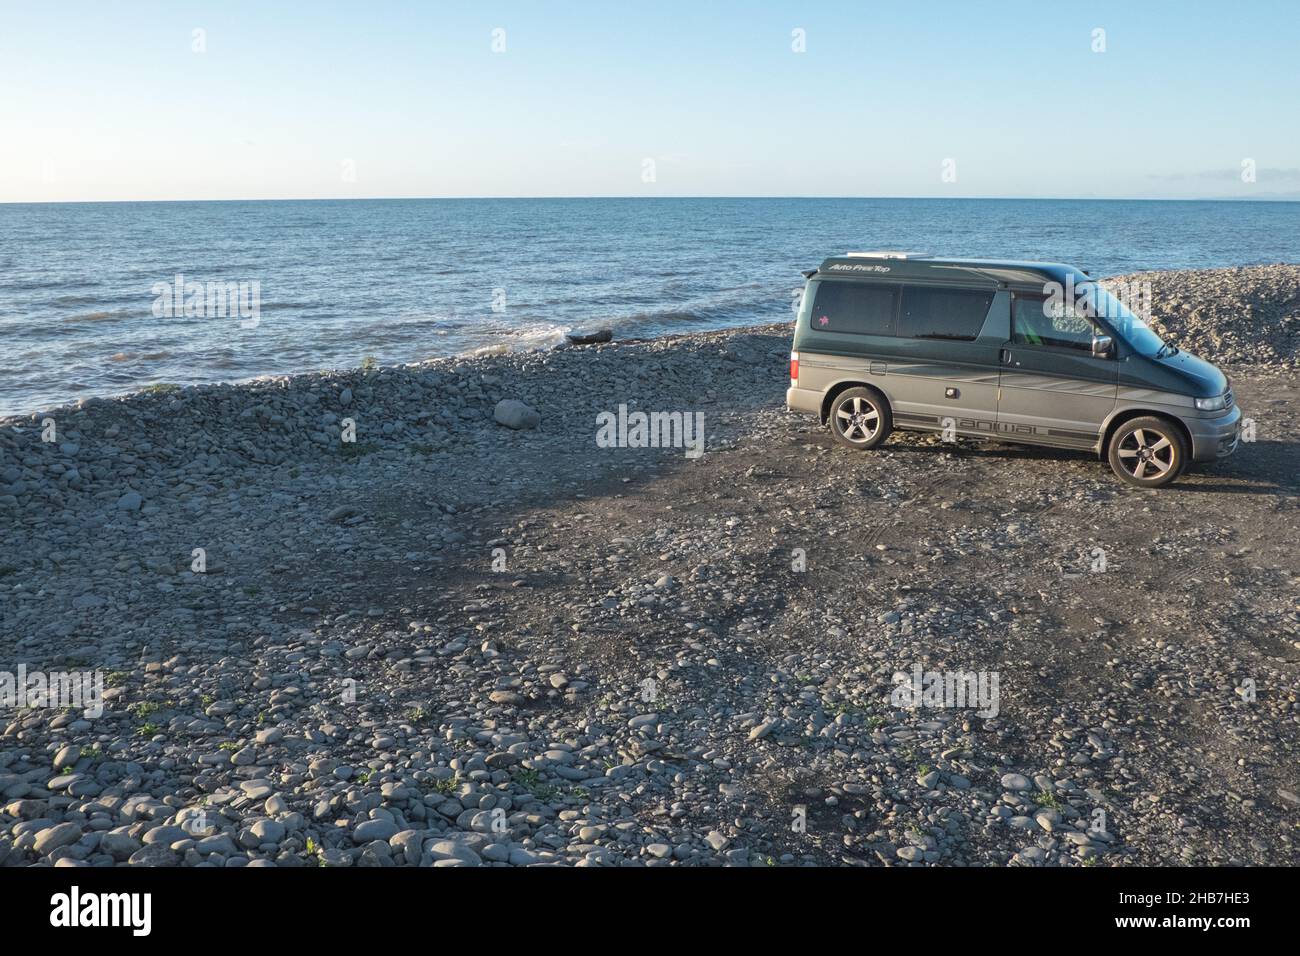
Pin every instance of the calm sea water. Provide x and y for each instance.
(402, 280)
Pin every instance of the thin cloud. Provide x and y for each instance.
(1285, 173)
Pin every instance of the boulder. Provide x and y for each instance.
(515, 414)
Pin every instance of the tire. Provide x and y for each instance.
(860, 419)
(1147, 452)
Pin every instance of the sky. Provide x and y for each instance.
(141, 100)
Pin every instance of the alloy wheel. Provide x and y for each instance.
(859, 420)
(1146, 453)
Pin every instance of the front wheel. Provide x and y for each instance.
(1147, 452)
(860, 419)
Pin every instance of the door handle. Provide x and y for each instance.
(1004, 356)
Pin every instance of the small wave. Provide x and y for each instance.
(274, 306)
(31, 286)
(751, 302)
(139, 356)
(537, 339)
(664, 315)
(722, 312)
(95, 316)
(143, 295)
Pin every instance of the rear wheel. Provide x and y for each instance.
(860, 419)
(1148, 452)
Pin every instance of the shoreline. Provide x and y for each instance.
(1220, 336)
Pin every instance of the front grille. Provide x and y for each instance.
(1227, 399)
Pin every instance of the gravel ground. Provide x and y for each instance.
(455, 643)
(1248, 315)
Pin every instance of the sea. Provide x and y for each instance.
(101, 299)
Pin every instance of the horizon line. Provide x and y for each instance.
(70, 202)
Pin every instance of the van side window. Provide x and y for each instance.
(855, 307)
(1037, 320)
(943, 313)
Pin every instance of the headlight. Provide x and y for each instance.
(1212, 404)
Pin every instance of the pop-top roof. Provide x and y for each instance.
(906, 265)
(886, 254)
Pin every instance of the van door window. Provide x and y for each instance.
(943, 313)
(855, 307)
(1038, 320)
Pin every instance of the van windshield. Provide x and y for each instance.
(1126, 325)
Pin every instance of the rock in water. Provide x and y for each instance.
(515, 414)
(590, 338)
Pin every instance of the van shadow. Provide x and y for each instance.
(1257, 468)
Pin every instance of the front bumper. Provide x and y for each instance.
(1214, 438)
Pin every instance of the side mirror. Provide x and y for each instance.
(1102, 346)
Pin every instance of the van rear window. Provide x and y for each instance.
(853, 307)
(943, 313)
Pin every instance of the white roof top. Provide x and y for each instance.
(887, 254)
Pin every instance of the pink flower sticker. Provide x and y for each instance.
(824, 320)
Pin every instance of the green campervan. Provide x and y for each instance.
(1016, 351)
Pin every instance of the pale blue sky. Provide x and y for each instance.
(104, 101)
